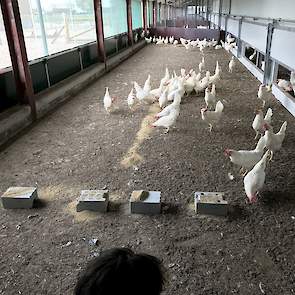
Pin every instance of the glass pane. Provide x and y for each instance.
(136, 14)
(52, 26)
(114, 17)
(4, 50)
(150, 13)
(159, 12)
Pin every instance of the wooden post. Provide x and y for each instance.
(144, 10)
(99, 31)
(18, 53)
(129, 22)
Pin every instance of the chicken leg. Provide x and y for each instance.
(271, 156)
(167, 130)
(210, 127)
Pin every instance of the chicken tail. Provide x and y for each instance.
(283, 128)
(219, 107)
(268, 115)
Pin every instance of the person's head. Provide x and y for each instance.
(121, 271)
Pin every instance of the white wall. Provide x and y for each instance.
(261, 8)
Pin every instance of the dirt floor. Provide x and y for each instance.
(81, 147)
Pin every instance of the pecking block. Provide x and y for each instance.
(19, 197)
(142, 202)
(210, 203)
(93, 200)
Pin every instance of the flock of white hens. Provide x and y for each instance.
(172, 89)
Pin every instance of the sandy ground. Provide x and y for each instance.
(81, 147)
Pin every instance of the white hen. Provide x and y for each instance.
(210, 99)
(274, 141)
(246, 159)
(231, 64)
(163, 99)
(254, 180)
(131, 99)
(212, 117)
(107, 101)
(259, 121)
(167, 121)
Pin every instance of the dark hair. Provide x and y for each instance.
(120, 271)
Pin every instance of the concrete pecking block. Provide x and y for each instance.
(93, 200)
(151, 204)
(19, 197)
(210, 203)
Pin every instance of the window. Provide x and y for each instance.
(136, 14)
(5, 60)
(52, 26)
(150, 4)
(114, 17)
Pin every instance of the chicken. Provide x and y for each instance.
(166, 78)
(166, 111)
(166, 41)
(131, 99)
(217, 68)
(212, 117)
(163, 99)
(107, 101)
(251, 57)
(136, 38)
(189, 84)
(286, 85)
(231, 64)
(178, 91)
(156, 93)
(160, 41)
(229, 39)
(259, 121)
(167, 121)
(228, 46)
(205, 81)
(274, 141)
(147, 84)
(148, 40)
(171, 40)
(254, 180)
(141, 94)
(209, 99)
(261, 93)
(215, 78)
(202, 64)
(246, 159)
(187, 46)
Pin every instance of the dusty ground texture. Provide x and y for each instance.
(81, 147)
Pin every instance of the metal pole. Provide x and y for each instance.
(99, 31)
(18, 54)
(268, 65)
(239, 37)
(219, 13)
(154, 14)
(129, 22)
(42, 28)
(144, 10)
